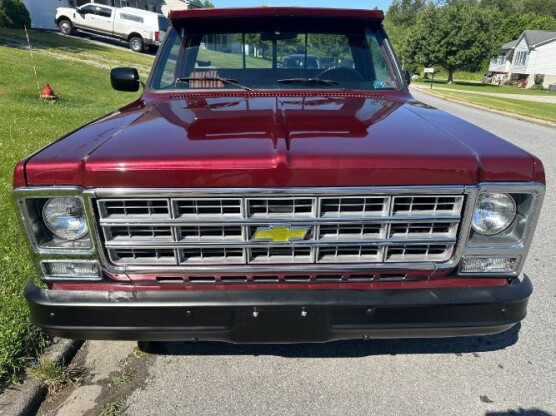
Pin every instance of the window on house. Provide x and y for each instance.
(520, 58)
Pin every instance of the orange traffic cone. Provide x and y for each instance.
(47, 94)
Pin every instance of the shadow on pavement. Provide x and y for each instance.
(520, 412)
(337, 349)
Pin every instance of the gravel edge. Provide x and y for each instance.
(25, 398)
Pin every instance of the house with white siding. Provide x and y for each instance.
(533, 53)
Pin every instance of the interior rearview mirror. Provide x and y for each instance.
(125, 79)
(271, 36)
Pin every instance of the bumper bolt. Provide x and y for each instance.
(188, 314)
(255, 312)
(303, 313)
(370, 311)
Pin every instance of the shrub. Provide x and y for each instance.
(14, 14)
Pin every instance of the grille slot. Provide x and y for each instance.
(144, 256)
(280, 255)
(134, 208)
(423, 230)
(349, 254)
(138, 232)
(210, 233)
(427, 252)
(209, 255)
(280, 208)
(337, 231)
(209, 230)
(207, 207)
(349, 206)
(427, 205)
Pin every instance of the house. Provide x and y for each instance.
(533, 53)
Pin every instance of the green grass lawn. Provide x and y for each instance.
(27, 124)
(74, 47)
(542, 111)
(479, 87)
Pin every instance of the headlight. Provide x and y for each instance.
(65, 217)
(494, 212)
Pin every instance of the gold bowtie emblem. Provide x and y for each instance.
(280, 233)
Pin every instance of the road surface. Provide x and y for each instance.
(496, 375)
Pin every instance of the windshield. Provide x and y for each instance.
(291, 55)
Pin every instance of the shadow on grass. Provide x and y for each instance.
(337, 349)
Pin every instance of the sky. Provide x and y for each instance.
(352, 4)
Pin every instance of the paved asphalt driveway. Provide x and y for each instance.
(509, 373)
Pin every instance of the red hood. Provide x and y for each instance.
(278, 141)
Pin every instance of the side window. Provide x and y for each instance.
(104, 12)
(131, 17)
(378, 60)
(165, 76)
(89, 9)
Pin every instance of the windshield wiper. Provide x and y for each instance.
(313, 81)
(213, 78)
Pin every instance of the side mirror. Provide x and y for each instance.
(407, 77)
(125, 79)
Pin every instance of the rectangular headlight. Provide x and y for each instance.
(71, 270)
(489, 264)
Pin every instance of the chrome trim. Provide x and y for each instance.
(22, 194)
(175, 222)
(471, 192)
(519, 249)
(259, 192)
(294, 243)
(246, 193)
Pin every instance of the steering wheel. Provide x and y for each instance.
(341, 74)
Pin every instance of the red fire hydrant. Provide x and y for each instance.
(47, 94)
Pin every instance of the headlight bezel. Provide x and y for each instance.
(30, 203)
(515, 240)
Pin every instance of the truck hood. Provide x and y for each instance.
(278, 141)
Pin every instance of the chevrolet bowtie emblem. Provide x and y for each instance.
(280, 233)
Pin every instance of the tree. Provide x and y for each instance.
(513, 26)
(458, 35)
(399, 18)
(13, 14)
(205, 4)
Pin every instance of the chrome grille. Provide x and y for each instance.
(179, 230)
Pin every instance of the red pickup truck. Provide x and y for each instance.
(244, 200)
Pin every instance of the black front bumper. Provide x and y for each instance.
(279, 316)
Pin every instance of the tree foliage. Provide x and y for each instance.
(459, 34)
(456, 35)
(13, 14)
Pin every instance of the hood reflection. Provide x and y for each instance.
(276, 117)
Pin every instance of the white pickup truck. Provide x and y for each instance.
(140, 28)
